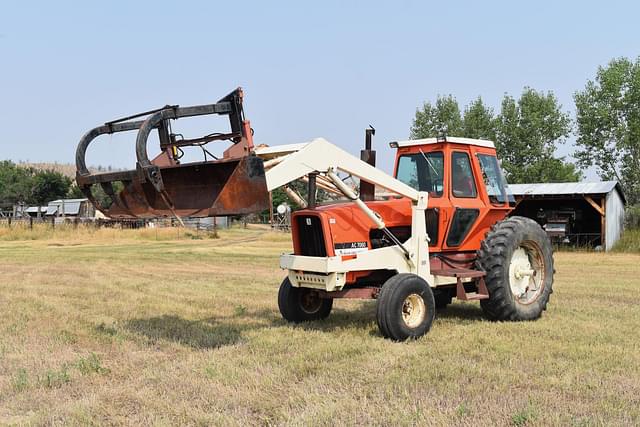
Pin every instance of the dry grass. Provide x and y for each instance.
(124, 329)
(83, 233)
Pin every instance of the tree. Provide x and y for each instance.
(527, 133)
(608, 125)
(49, 185)
(432, 120)
(19, 184)
(478, 121)
(16, 183)
(75, 192)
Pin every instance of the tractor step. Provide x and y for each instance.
(458, 272)
(482, 292)
(473, 296)
(463, 273)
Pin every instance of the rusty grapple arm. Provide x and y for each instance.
(162, 186)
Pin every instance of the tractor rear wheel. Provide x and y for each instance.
(518, 259)
(406, 307)
(302, 304)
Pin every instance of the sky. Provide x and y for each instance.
(309, 69)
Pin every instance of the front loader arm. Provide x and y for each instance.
(321, 156)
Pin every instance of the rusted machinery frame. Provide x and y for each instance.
(239, 173)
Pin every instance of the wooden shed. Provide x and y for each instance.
(574, 213)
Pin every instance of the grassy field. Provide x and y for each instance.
(116, 327)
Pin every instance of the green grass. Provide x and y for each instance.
(126, 329)
(629, 241)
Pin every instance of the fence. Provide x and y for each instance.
(209, 225)
(53, 222)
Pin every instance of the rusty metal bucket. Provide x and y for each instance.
(234, 185)
(226, 187)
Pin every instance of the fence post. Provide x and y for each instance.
(31, 223)
(53, 222)
(10, 218)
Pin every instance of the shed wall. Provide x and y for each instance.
(614, 221)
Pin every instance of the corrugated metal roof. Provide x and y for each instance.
(565, 188)
(71, 206)
(34, 209)
(59, 201)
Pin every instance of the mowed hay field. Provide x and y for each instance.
(117, 327)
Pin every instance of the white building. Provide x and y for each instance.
(72, 208)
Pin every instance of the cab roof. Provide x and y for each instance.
(441, 140)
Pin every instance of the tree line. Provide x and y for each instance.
(527, 130)
(31, 186)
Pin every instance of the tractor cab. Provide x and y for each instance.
(467, 190)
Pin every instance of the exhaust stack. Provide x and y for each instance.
(368, 190)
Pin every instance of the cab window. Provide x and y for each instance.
(462, 183)
(422, 171)
(494, 181)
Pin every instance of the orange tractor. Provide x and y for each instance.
(438, 229)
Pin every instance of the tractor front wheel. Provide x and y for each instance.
(406, 307)
(518, 259)
(302, 304)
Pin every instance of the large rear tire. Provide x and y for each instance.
(406, 307)
(302, 304)
(518, 259)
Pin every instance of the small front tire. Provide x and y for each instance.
(302, 304)
(406, 307)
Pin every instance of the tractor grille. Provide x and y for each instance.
(311, 236)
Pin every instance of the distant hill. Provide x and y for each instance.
(67, 169)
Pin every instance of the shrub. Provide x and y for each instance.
(55, 379)
(90, 365)
(632, 217)
(20, 380)
(629, 241)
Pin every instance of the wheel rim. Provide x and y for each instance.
(413, 310)
(310, 302)
(526, 272)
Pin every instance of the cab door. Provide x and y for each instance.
(466, 204)
(423, 168)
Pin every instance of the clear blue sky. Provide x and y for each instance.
(308, 68)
